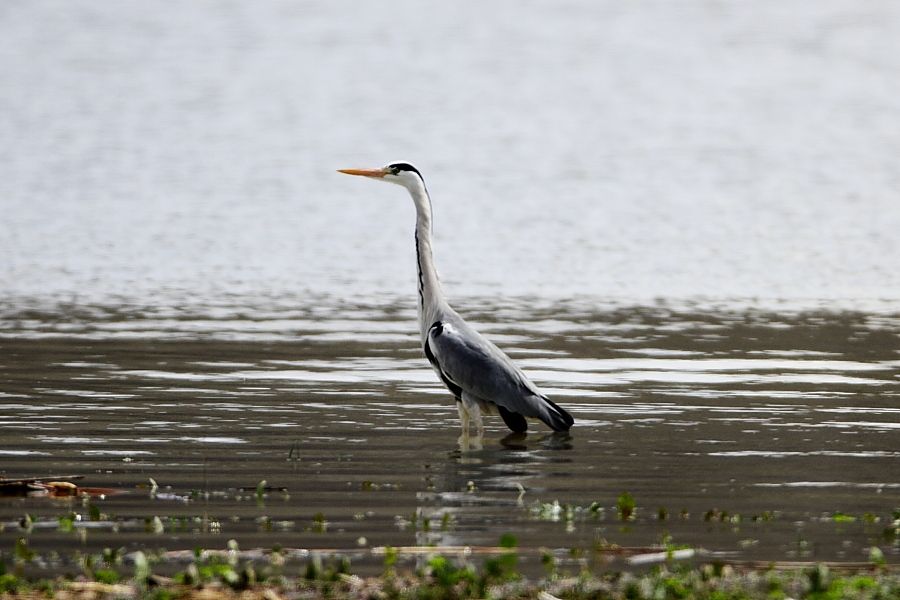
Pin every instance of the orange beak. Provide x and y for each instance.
(364, 172)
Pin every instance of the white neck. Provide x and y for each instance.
(431, 296)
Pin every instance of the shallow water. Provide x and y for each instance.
(751, 429)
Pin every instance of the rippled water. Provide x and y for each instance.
(680, 217)
(750, 429)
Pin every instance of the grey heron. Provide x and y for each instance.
(479, 375)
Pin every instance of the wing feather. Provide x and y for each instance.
(473, 364)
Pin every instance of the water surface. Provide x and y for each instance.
(750, 430)
(680, 217)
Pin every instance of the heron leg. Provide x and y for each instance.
(473, 409)
(478, 420)
(463, 422)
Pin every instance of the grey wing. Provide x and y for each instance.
(468, 362)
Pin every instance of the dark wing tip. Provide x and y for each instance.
(560, 419)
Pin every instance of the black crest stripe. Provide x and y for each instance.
(403, 166)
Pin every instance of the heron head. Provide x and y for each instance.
(401, 173)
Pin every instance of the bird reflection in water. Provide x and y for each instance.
(558, 440)
(472, 488)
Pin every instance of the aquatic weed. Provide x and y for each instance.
(67, 522)
(819, 577)
(154, 525)
(445, 578)
(548, 561)
(876, 556)
(22, 552)
(107, 576)
(390, 561)
(446, 575)
(548, 511)
(213, 568)
(112, 556)
(502, 568)
(320, 525)
(766, 515)
(626, 507)
(870, 518)
(142, 570)
(9, 583)
(840, 517)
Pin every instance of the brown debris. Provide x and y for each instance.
(56, 486)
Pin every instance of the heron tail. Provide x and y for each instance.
(556, 417)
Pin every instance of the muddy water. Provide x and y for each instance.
(750, 430)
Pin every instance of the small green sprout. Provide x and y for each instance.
(625, 505)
